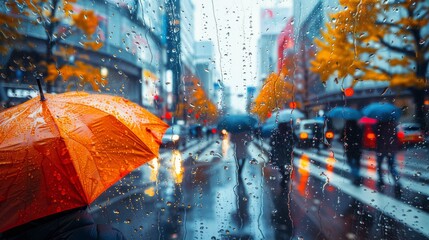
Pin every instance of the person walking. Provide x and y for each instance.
(240, 141)
(386, 147)
(352, 142)
(281, 143)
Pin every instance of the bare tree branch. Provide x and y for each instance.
(408, 53)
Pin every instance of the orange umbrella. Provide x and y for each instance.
(63, 152)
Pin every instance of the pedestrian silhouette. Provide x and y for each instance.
(387, 147)
(352, 142)
(281, 143)
(240, 141)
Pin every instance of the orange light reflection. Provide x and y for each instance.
(225, 144)
(177, 171)
(304, 173)
(154, 169)
(330, 162)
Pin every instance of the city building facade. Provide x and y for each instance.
(131, 58)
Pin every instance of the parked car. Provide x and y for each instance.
(409, 133)
(304, 132)
(175, 136)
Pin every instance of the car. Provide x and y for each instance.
(174, 136)
(304, 131)
(409, 133)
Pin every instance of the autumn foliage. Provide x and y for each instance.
(275, 93)
(51, 15)
(196, 104)
(371, 40)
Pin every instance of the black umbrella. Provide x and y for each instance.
(236, 123)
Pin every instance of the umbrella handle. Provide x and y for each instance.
(42, 97)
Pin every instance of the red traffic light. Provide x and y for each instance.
(348, 92)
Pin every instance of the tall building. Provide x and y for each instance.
(272, 21)
(204, 66)
(187, 34)
(180, 50)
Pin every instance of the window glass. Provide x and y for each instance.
(214, 119)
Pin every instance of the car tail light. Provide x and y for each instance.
(401, 135)
(329, 134)
(303, 135)
(370, 136)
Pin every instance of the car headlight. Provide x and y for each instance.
(175, 137)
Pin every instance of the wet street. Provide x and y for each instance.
(196, 193)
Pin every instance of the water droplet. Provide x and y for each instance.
(254, 161)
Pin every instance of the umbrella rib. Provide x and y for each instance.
(140, 142)
(61, 138)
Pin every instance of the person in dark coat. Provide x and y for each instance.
(240, 141)
(281, 143)
(387, 146)
(75, 224)
(352, 142)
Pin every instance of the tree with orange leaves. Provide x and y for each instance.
(50, 14)
(373, 40)
(275, 92)
(197, 103)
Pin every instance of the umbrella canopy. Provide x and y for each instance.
(236, 123)
(285, 115)
(382, 111)
(63, 152)
(346, 113)
(268, 129)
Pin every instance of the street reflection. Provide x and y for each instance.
(304, 173)
(371, 169)
(177, 168)
(154, 169)
(225, 143)
(330, 162)
(241, 215)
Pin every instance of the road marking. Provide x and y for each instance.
(418, 187)
(407, 215)
(409, 168)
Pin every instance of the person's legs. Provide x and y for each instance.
(380, 157)
(392, 168)
(355, 169)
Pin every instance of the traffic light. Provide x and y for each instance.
(348, 92)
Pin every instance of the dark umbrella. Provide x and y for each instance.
(236, 123)
(346, 113)
(382, 111)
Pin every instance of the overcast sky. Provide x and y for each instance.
(233, 27)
